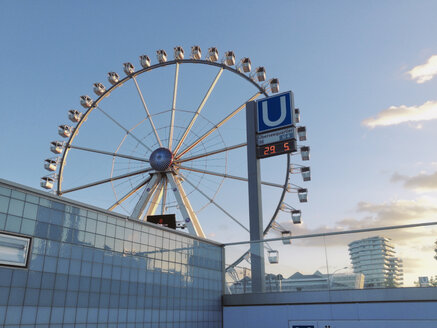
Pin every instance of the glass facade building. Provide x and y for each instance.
(86, 267)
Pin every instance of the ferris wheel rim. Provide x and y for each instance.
(261, 91)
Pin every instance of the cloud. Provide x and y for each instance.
(411, 264)
(396, 177)
(425, 72)
(397, 212)
(400, 212)
(401, 114)
(422, 182)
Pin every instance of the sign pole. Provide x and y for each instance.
(255, 205)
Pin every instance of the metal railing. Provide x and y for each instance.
(377, 257)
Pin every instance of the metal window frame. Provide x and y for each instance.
(29, 239)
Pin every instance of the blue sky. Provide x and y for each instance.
(346, 62)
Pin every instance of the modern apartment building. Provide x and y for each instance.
(375, 258)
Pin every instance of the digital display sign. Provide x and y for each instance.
(166, 220)
(277, 148)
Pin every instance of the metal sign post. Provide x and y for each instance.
(270, 131)
(255, 205)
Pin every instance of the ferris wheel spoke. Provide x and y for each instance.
(214, 152)
(109, 153)
(271, 184)
(185, 207)
(245, 256)
(96, 183)
(218, 125)
(205, 98)
(125, 130)
(149, 117)
(145, 197)
(173, 106)
(129, 193)
(156, 198)
(224, 175)
(217, 205)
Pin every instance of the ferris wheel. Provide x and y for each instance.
(168, 138)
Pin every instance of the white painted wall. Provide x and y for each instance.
(358, 315)
(360, 308)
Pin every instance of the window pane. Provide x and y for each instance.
(27, 227)
(16, 207)
(30, 211)
(5, 191)
(4, 203)
(32, 199)
(18, 195)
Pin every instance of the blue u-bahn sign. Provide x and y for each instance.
(275, 112)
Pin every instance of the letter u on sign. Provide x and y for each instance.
(275, 112)
(265, 113)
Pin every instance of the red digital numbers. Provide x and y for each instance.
(268, 150)
(275, 149)
(286, 146)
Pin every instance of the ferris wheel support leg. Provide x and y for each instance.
(157, 195)
(187, 211)
(129, 193)
(145, 197)
(164, 194)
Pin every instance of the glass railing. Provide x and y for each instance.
(326, 261)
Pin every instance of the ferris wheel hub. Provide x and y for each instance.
(161, 159)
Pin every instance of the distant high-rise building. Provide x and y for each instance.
(375, 258)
